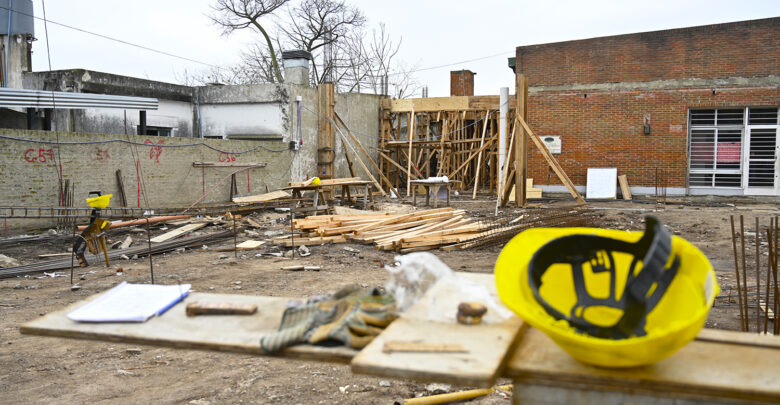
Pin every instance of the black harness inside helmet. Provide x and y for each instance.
(653, 249)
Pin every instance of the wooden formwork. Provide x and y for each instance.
(455, 137)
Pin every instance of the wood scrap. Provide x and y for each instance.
(250, 244)
(624, 189)
(177, 232)
(273, 195)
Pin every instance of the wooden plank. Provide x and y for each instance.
(178, 232)
(175, 329)
(624, 189)
(224, 164)
(487, 344)
(273, 195)
(553, 163)
(703, 370)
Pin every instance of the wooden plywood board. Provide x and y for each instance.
(250, 244)
(486, 344)
(229, 333)
(601, 183)
(624, 189)
(178, 232)
(273, 195)
(702, 370)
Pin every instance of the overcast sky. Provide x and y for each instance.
(475, 35)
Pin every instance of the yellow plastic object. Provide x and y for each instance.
(100, 201)
(316, 181)
(674, 322)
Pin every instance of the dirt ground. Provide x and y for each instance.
(55, 370)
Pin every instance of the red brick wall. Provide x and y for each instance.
(604, 129)
(745, 49)
(462, 83)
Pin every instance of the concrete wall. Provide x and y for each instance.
(28, 170)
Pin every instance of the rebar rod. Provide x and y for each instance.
(758, 278)
(149, 241)
(744, 270)
(736, 270)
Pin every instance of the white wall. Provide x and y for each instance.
(241, 119)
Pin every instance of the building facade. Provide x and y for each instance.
(694, 110)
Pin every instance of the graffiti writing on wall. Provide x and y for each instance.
(227, 157)
(38, 155)
(100, 155)
(155, 151)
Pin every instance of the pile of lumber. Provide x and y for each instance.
(444, 228)
(422, 230)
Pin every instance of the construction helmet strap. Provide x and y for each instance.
(638, 298)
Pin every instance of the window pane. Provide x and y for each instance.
(762, 116)
(762, 143)
(701, 180)
(729, 148)
(702, 148)
(762, 174)
(702, 117)
(731, 117)
(728, 180)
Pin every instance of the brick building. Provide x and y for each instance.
(698, 106)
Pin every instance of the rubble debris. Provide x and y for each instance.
(296, 267)
(6, 262)
(303, 251)
(75, 287)
(127, 242)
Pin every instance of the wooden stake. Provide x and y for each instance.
(479, 158)
(552, 162)
(521, 147)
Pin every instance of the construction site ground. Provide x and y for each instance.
(37, 369)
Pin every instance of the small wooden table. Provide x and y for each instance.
(297, 193)
(347, 196)
(434, 186)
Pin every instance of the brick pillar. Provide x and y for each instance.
(462, 83)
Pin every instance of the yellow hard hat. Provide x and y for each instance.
(607, 297)
(316, 181)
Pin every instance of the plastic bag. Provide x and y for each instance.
(416, 273)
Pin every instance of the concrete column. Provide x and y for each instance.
(503, 109)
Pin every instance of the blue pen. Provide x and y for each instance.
(176, 301)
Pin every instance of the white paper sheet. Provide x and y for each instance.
(130, 303)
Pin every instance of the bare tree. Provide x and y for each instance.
(234, 15)
(316, 24)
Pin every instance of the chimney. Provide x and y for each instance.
(296, 67)
(462, 83)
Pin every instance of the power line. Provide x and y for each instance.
(110, 38)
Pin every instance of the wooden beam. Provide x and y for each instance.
(325, 140)
(553, 163)
(429, 104)
(389, 159)
(363, 165)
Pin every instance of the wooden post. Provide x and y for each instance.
(410, 124)
(521, 147)
(326, 144)
(479, 158)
